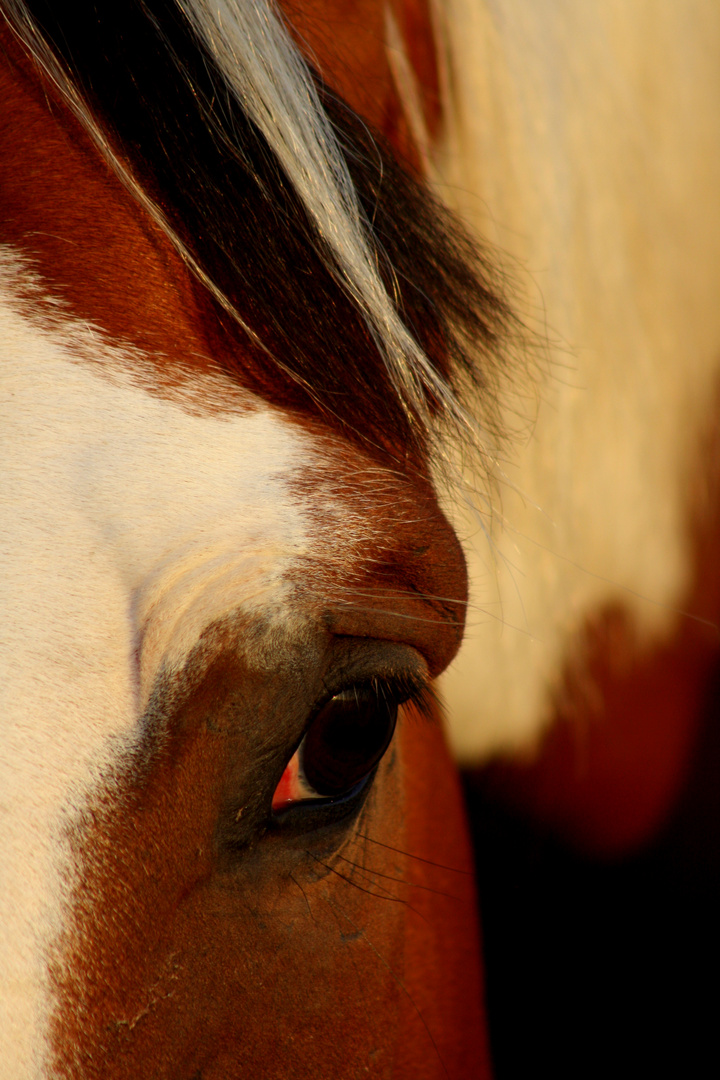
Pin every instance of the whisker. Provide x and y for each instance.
(402, 594)
(307, 902)
(386, 894)
(361, 932)
(711, 624)
(471, 607)
(400, 615)
(400, 881)
(409, 855)
(380, 896)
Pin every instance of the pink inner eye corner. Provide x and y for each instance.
(287, 790)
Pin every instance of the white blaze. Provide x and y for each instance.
(125, 516)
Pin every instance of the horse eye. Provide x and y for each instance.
(345, 741)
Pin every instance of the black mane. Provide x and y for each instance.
(145, 74)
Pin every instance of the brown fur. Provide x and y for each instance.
(92, 247)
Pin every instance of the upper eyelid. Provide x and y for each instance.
(399, 689)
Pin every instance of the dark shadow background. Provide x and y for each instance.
(605, 968)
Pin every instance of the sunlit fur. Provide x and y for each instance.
(584, 141)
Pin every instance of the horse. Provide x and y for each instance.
(233, 334)
(591, 130)
(248, 357)
(584, 142)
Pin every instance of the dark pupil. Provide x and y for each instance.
(347, 739)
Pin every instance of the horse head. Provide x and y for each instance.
(228, 323)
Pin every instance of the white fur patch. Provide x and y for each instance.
(584, 140)
(129, 523)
